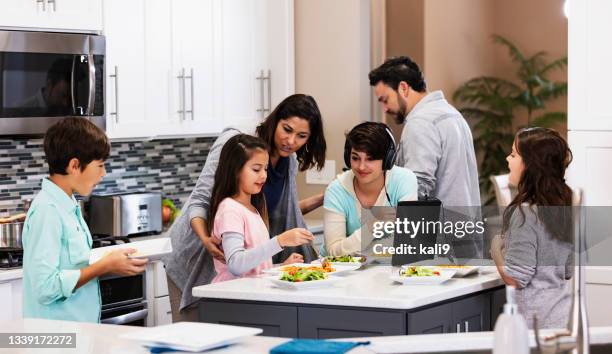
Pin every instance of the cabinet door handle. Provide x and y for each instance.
(458, 327)
(467, 326)
(181, 78)
(190, 77)
(261, 79)
(269, 78)
(44, 8)
(52, 2)
(115, 75)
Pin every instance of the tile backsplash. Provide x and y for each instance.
(170, 166)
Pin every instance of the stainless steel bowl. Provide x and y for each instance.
(10, 235)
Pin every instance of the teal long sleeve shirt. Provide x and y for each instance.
(57, 244)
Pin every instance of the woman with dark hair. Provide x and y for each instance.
(534, 252)
(294, 134)
(372, 180)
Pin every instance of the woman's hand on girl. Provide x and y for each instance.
(212, 246)
(295, 237)
(294, 258)
(118, 262)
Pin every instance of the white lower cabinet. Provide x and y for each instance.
(157, 295)
(11, 297)
(163, 313)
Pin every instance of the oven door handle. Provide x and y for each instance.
(127, 318)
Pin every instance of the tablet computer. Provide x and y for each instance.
(423, 215)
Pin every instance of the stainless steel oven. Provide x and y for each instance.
(47, 76)
(124, 300)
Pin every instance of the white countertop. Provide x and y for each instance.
(369, 287)
(11, 274)
(102, 339)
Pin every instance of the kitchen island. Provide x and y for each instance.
(363, 303)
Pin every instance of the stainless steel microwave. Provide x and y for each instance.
(45, 77)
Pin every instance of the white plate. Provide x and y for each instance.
(357, 262)
(151, 249)
(445, 274)
(191, 336)
(463, 271)
(339, 268)
(329, 281)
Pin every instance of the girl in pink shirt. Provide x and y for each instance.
(238, 209)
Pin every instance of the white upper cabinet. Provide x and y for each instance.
(70, 15)
(158, 68)
(124, 28)
(242, 68)
(279, 48)
(193, 67)
(261, 31)
(194, 109)
(589, 73)
(589, 109)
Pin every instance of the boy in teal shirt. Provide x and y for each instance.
(58, 282)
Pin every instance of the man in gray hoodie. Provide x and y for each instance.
(436, 144)
(436, 141)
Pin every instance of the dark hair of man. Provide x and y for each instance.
(303, 107)
(74, 138)
(546, 156)
(398, 69)
(369, 137)
(234, 155)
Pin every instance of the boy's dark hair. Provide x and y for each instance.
(305, 107)
(371, 138)
(234, 155)
(74, 138)
(398, 69)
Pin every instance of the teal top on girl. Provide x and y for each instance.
(342, 214)
(56, 245)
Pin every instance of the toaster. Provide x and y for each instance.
(125, 214)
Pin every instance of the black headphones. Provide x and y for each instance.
(389, 158)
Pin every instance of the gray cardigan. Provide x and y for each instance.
(190, 264)
(541, 266)
(437, 145)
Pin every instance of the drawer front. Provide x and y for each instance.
(275, 320)
(324, 323)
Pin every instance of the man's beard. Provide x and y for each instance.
(400, 115)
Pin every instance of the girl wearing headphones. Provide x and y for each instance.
(372, 180)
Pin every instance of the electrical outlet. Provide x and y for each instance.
(325, 176)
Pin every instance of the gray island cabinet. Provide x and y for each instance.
(362, 303)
